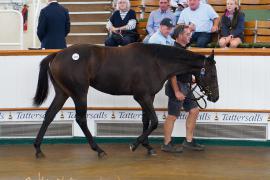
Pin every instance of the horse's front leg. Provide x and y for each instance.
(148, 114)
(145, 143)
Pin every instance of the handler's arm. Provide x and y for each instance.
(178, 94)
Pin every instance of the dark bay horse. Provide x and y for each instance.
(137, 69)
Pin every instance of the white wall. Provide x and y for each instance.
(243, 84)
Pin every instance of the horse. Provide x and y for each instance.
(138, 69)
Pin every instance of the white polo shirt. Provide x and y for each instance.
(202, 17)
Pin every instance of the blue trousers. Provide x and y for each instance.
(110, 41)
(201, 39)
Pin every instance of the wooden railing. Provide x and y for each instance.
(206, 51)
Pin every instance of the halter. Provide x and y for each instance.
(201, 96)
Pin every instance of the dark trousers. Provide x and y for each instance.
(201, 39)
(111, 41)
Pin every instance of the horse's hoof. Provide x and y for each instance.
(152, 152)
(132, 147)
(102, 155)
(40, 155)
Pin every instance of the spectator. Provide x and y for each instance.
(202, 19)
(179, 5)
(122, 25)
(162, 35)
(53, 26)
(156, 17)
(177, 88)
(232, 26)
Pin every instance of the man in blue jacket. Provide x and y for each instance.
(53, 26)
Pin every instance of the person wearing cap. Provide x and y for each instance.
(202, 19)
(156, 17)
(162, 36)
(177, 89)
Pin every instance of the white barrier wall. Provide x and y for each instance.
(243, 84)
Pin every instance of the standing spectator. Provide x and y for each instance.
(156, 17)
(232, 26)
(53, 26)
(202, 19)
(122, 25)
(162, 35)
(179, 5)
(177, 88)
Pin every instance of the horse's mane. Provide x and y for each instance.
(170, 52)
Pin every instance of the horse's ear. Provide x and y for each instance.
(212, 55)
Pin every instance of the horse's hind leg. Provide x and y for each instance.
(81, 109)
(56, 105)
(145, 143)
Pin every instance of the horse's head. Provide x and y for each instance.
(207, 78)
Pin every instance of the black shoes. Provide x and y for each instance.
(192, 145)
(171, 148)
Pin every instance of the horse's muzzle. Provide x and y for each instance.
(213, 99)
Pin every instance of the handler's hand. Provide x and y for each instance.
(180, 96)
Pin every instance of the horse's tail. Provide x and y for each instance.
(43, 81)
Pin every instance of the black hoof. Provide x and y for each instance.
(40, 155)
(132, 147)
(102, 155)
(152, 152)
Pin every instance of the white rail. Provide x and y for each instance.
(36, 5)
(20, 43)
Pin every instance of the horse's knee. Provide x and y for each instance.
(145, 121)
(154, 125)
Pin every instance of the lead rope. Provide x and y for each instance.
(198, 98)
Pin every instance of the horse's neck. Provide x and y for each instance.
(181, 67)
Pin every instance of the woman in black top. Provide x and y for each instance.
(232, 26)
(122, 25)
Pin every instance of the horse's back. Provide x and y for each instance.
(113, 70)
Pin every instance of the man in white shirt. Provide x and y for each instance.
(202, 19)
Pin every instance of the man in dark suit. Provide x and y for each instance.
(53, 26)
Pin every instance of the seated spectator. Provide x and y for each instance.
(232, 26)
(179, 5)
(162, 35)
(202, 19)
(122, 25)
(156, 17)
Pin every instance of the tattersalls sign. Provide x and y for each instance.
(211, 117)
